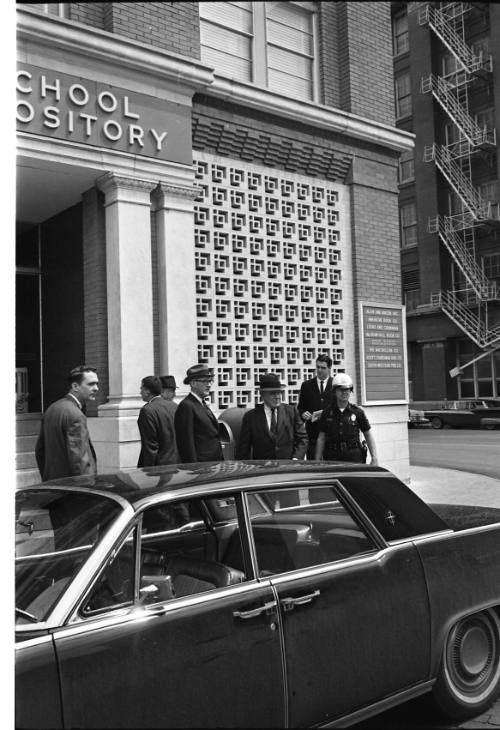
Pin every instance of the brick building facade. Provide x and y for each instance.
(194, 192)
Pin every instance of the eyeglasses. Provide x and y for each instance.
(345, 390)
(207, 381)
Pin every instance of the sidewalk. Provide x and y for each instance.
(434, 484)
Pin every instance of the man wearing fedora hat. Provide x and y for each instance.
(272, 430)
(196, 427)
(168, 386)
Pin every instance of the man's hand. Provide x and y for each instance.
(306, 416)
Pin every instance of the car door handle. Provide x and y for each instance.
(289, 603)
(268, 608)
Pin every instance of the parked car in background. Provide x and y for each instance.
(416, 418)
(250, 594)
(466, 413)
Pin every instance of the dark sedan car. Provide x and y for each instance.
(250, 594)
(468, 413)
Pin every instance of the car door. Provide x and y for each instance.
(144, 658)
(355, 617)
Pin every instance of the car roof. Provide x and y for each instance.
(134, 485)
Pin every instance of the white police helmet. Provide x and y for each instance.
(342, 381)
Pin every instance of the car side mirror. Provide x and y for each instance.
(156, 588)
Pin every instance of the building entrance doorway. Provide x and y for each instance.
(28, 321)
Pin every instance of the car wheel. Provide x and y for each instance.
(469, 676)
(436, 422)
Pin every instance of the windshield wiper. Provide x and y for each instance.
(26, 615)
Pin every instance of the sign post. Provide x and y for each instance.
(384, 369)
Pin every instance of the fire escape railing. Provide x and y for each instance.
(454, 162)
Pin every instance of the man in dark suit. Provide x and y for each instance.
(156, 426)
(314, 395)
(64, 447)
(272, 430)
(196, 427)
(168, 387)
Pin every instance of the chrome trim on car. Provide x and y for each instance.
(420, 538)
(143, 613)
(446, 534)
(28, 643)
(378, 707)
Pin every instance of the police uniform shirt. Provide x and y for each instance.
(343, 426)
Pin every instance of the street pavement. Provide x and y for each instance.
(435, 484)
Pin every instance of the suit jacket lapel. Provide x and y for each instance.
(203, 409)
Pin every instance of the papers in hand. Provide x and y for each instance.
(316, 415)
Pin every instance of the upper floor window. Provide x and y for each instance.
(489, 190)
(491, 266)
(449, 64)
(408, 213)
(406, 167)
(485, 118)
(400, 33)
(412, 299)
(271, 44)
(59, 9)
(403, 96)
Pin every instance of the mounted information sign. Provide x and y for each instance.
(383, 353)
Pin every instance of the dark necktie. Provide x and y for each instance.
(321, 388)
(274, 423)
(210, 412)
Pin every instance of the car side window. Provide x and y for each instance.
(115, 586)
(182, 551)
(304, 528)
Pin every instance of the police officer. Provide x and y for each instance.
(340, 425)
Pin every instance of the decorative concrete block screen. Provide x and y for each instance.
(268, 276)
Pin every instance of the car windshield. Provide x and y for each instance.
(56, 530)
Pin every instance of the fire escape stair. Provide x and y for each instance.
(454, 163)
(481, 210)
(466, 319)
(439, 21)
(475, 135)
(457, 247)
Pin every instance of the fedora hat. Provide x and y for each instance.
(270, 381)
(168, 381)
(196, 372)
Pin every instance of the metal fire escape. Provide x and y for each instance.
(454, 162)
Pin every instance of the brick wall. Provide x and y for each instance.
(171, 26)
(95, 291)
(88, 13)
(364, 41)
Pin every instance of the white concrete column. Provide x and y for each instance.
(174, 206)
(130, 317)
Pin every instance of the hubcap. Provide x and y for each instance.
(474, 651)
(472, 657)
